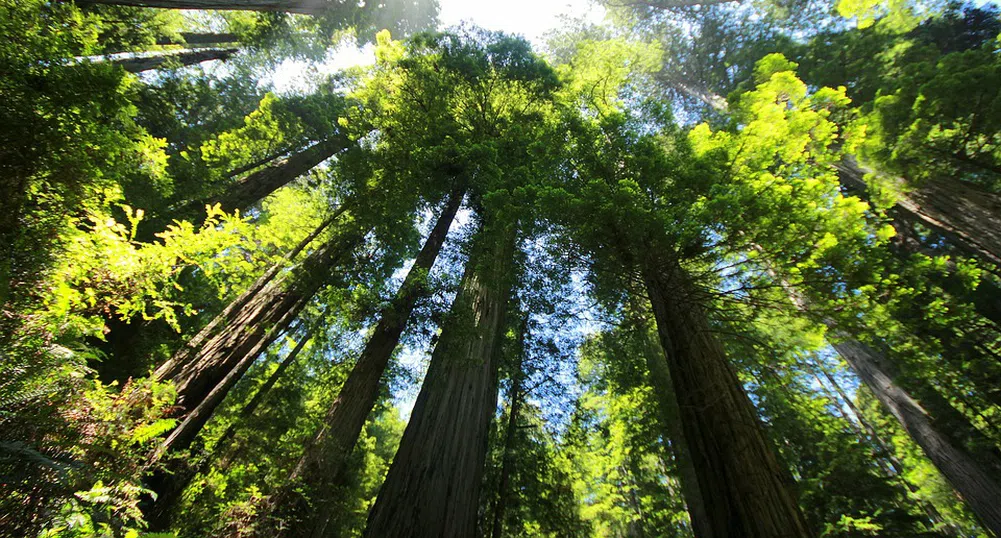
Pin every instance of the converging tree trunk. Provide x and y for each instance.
(305, 7)
(507, 457)
(969, 217)
(170, 487)
(660, 379)
(969, 477)
(205, 369)
(433, 484)
(257, 185)
(199, 38)
(744, 490)
(323, 465)
(183, 57)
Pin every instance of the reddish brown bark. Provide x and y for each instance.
(323, 465)
(743, 488)
(433, 485)
(184, 58)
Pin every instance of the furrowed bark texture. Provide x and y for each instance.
(743, 488)
(323, 465)
(507, 459)
(969, 478)
(433, 485)
(969, 217)
(660, 378)
(170, 487)
(185, 57)
(306, 7)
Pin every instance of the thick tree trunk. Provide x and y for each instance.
(170, 488)
(433, 485)
(323, 465)
(970, 479)
(507, 457)
(660, 379)
(306, 7)
(184, 57)
(970, 218)
(743, 488)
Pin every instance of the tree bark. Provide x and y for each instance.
(660, 380)
(433, 484)
(256, 186)
(970, 479)
(743, 488)
(969, 217)
(507, 458)
(184, 57)
(305, 7)
(198, 38)
(323, 465)
(170, 488)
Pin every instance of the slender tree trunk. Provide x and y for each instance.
(660, 379)
(743, 488)
(433, 485)
(197, 38)
(305, 7)
(256, 186)
(171, 487)
(323, 465)
(970, 479)
(183, 57)
(507, 458)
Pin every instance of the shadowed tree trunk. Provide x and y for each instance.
(433, 485)
(171, 487)
(305, 7)
(256, 186)
(323, 465)
(969, 217)
(660, 379)
(507, 458)
(744, 490)
(184, 58)
(969, 478)
(198, 38)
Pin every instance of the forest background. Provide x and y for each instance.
(672, 268)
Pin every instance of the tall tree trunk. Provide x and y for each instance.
(199, 38)
(743, 488)
(183, 57)
(507, 457)
(969, 217)
(170, 487)
(970, 479)
(660, 379)
(256, 186)
(305, 7)
(433, 485)
(323, 465)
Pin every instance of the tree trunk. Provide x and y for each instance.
(743, 488)
(184, 57)
(323, 464)
(170, 488)
(970, 218)
(305, 7)
(507, 458)
(433, 485)
(197, 38)
(970, 479)
(660, 380)
(256, 186)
